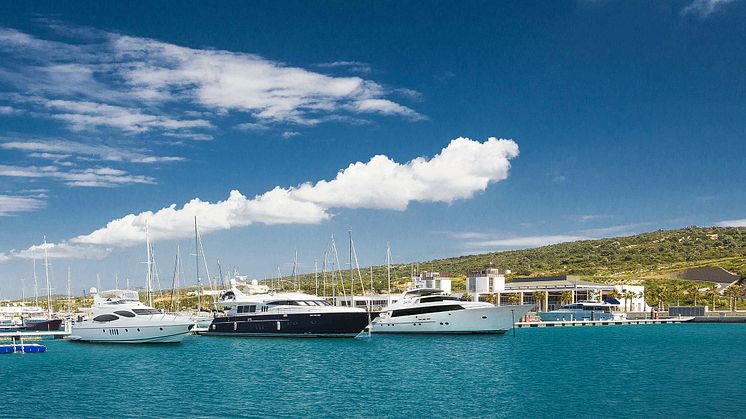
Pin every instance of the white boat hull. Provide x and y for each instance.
(487, 320)
(130, 332)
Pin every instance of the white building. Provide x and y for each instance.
(432, 280)
(485, 281)
(637, 302)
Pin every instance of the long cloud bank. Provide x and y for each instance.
(462, 169)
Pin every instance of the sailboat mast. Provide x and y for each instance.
(323, 273)
(352, 279)
(36, 285)
(316, 275)
(46, 274)
(196, 267)
(149, 276)
(69, 293)
(296, 285)
(388, 269)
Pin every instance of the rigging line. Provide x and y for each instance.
(173, 280)
(338, 268)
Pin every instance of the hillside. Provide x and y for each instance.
(657, 254)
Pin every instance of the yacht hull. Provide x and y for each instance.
(46, 325)
(346, 324)
(130, 333)
(483, 320)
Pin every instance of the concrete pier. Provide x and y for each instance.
(571, 323)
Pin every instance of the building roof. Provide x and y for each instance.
(563, 281)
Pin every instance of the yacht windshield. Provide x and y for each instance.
(437, 298)
(145, 311)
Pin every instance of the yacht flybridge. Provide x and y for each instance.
(430, 310)
(118, 316)
(289, 314)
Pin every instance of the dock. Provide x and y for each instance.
(575, 323)
(23, 335)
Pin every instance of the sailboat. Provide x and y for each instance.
(42, 323)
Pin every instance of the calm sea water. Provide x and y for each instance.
(641, 371)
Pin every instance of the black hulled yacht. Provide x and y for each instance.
(289, 314)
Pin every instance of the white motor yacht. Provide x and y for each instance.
(118, 316)
(584, 311)
(430, 310)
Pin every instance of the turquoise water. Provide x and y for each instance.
(621, 371)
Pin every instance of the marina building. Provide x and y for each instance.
(551, 292)
(432, 280)
(485, 281)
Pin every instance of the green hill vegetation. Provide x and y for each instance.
(650, 259)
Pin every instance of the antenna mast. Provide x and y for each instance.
(46, 273)
(36, 285)
(388, 268)
(196, 267)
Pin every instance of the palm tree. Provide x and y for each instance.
(664, 293)
(733, 291)
(678, 290)
(566, 297)
(693, 291)
(613, 294)
(711, 291)
(654, 293)
(628, 295)
(514, 298)
(538, 297)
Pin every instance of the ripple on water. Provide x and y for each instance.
(671, 370)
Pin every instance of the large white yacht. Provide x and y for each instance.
(431, 310)
(118, 316)
(584, 311)
(290, 314)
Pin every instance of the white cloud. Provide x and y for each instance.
(8, 110)
(704, 8)
(592, 217)
(91, 177)
(732, 223)
(55, 149)
(10, 204)
(105, 79)
(462, 169)
(82, 115)
(385, 107)
(528, 241)
(353, 66)
(290, 134)
(616, 230)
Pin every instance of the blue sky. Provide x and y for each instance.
(617, 117)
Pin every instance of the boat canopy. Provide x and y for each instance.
(420, 292)
(113, 295)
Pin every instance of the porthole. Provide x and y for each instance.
(161, 328)
(446, 323)
(441, 323)
(103, 330)
(138, 329)
(484, 317)
(126, 330)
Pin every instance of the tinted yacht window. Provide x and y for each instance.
(425, 310)
(105, 318)
(125, 313)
